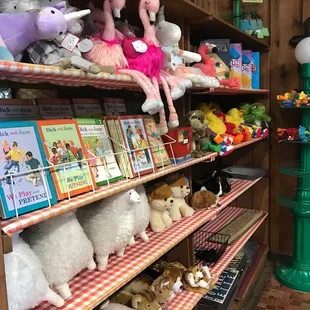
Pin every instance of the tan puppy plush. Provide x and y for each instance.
(138, 285)
(180, 189)
(160, 200)
(203, 200)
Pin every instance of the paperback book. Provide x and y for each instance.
(132, 133)
(65, 152)
(86, 107)
(55, 108)
(99, 151)
(114, 106)
(157, 146)
(18, 109)
(24, 187)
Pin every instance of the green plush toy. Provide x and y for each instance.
(255, 114)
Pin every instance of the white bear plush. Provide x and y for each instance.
(63, 249)
(26, 284)
(109, 224)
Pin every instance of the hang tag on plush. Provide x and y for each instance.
(265, 32)
(70, 41)
(85, 45)
(259, 34)
(176, 61)
(139, 46)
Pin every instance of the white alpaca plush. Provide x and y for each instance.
(17, 6)
(26, 284)
(109, 224)
(112, 306)
(63, 249)
(142, 213)
(180, 189)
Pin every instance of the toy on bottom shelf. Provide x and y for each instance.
(19, 30)
(63, 249)
(160, 198)
(180, 189)
(203, 200)
(113, 218)
(25, 282)
(300, 134)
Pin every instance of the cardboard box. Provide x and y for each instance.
(247, 69)
(236, 61)
(256, 70)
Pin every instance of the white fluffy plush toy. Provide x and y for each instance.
(142, 213)
(26, 284)
(17, 6)
(180, 189)
(109, 224)
(112, 306)
(63, 249)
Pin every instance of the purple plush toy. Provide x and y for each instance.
(18, 30)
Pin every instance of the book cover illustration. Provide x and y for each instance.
(86, 107)
(236, 61)
(160, 154)
(114, 106)
(64, 148)
(99, 151)
(136, 140)
(55, 108)
(223, 46)
(21, 155)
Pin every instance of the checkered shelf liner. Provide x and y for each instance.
(12, 225)
(30, 73)
(90, 288)
(187, 300)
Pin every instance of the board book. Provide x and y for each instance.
(54, 108)
(65, 152)
(99, 150)
(86, 107)
(18, 109)
(22, 155)
(157, 146)
(132, 133)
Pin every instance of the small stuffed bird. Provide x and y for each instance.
(235, 117)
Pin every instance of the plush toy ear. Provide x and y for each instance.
(136, 300)
(61, 6)
(91, 5)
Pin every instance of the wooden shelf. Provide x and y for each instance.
(12, 225)
(187, 300)
(230, 92)
(90, 288)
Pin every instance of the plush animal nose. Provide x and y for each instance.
(152, 23)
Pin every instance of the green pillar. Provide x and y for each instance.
(237, 13)
(297, 275)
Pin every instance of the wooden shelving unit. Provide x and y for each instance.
(90, 288)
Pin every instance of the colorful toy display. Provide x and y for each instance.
(294, 99)
(300, 134)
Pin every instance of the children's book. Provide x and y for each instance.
(86, 107)
(114, 106)
(160, 154)
(119, 148)
(132, 132)
(65, 152)
(55, 108)
(18, 109)
(23, 186)
(99, 150)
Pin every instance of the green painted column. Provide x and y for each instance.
(237, 13)
(297, 275)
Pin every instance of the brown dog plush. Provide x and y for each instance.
(160, 200)
(203, 200)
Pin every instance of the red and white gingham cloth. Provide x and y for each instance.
(187, 300)
(15, 224)
(90, 288)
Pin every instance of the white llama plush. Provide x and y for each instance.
(109, 224)
(180, 189)
(26, 284)
(63, 249)
(142, 213)
(17, 6)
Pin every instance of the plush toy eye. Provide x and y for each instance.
(60, 33)
(166, 199)
(52, 11)
(160, 292)
(217, 64)
(182, 186)
(15, 7)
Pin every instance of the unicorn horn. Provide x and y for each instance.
(76, 15)
(161, 14)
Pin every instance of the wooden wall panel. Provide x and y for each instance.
(286, 23)
(3, 298)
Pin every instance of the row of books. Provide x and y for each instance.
(79, 154)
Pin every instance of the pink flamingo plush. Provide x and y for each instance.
(208, 66)
(107, 50)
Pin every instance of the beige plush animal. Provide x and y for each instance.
(180, 189)
(160, 198)
(138, 285)
(162, 289)
(146, 300)
(203, 200)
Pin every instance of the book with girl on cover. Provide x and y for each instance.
(65, 152)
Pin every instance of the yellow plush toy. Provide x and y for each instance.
(235, 117)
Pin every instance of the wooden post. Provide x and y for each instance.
(3, 295)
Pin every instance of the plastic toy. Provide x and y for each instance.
(19, 30)
(287, 134)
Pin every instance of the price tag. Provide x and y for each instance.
(176, 61)
(85, 45)
(139, 46)
(70, 41)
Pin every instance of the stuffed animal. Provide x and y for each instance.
(25, 282)
(142, 215)
(203, 200)
(180, 189)
(63, 249)
(142, 301)
(19, 30)
(174, 274)
(17, 6)
(139, 284)
(162, 289)
(197, 279)
(255, 114)
(160, 198)
(112, 306)
(113, 218)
